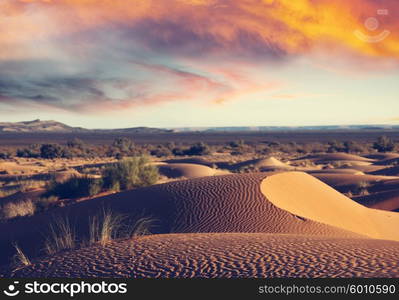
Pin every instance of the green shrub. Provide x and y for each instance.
(75, 187)
(384, 144)
(129, 173)
(196, 149)
(5, 155)
(51, 151)
(33, 151)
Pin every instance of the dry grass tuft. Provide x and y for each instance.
(142, 227)
(105, 227)
(17, 209)
(62, 237)
(20, 259)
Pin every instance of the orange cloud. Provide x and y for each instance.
(224, 42)
(294, 27)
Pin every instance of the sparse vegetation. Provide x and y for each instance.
(105, 227)
(384, 144)
(196, 149)
(129, 173)
(142, 227)
(102, 228)
(33, 151)
(5, 155)
(51, 151)
(45, 203)
(20, 259)
(75, 187)
(361, 188)
(15, 209)
(61, 237)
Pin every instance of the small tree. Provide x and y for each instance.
(384, 144)
(51, 151)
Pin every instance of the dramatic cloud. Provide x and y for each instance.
(72, 54)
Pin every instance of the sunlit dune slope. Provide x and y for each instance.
(305, 196)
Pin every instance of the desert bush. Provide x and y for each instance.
(51, 151)
(5, 155)
(123, 144)
(76, 143)
(354, 147)
(74, 187)
(236, 144)
(361, 188)
(17, 209)
(161, 151)
(129, 173)
(178, 151)
(335, 146)
(33, 151)
(45, 203)
(122, 147)
(61, 237)
(198, 149)
(384, 144)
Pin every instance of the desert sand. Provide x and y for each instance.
(246, 225)
(224, 255)
(307, 197)
(387, 200)
(186, 170)
(263, 164)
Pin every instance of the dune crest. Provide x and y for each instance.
(307, 197)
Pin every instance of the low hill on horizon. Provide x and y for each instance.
(39, 126)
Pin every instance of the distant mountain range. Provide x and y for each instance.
(39, 126)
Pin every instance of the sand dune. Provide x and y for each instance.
(227, 255)
(387, 162)
(263, 164)
(383, 156)
(336, 171)
(177, 170)
(242, 225)
(366, 168)
(330, 157)
(307, 197)
(392, 171)
(387, 200)
(229, 203)
(197, 161)
(346, 180)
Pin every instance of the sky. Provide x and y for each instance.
(192, 63)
